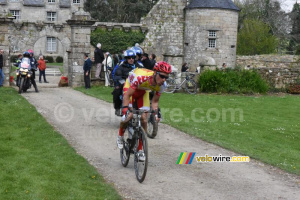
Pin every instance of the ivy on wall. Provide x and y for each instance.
(116, 40)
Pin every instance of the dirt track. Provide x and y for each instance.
(91, 128)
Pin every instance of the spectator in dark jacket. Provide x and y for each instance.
(152, 59)
(1, 65)
(87, 70)
(146, 61)
(99, 57)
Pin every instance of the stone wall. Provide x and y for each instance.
(165, 23)
(278, 70)
(198, 24)
(5, 23)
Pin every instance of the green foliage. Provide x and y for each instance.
(119, 10)
(13, 58)
(232, 81)
(255, 38)
(49, 59)
(59, 59)
(116, 40)
(294, 44)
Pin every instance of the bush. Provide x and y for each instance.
(49, 59)
(13, 58)
(232, 81)
(116, 40)
(59, 59)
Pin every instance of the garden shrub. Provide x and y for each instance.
(232, 81)
(59, 59)
(49, 59)
(116, 40)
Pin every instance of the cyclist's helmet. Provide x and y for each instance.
(26, 54)
(30, 51)
(129, 53)
(162, 67)
(138, 51)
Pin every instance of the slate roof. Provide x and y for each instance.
(3, 2)
(37, 3)
(65, 3)
(222, 4)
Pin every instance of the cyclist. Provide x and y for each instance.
(120, 74)
(136, 90)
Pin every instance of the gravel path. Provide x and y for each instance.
(91, 128)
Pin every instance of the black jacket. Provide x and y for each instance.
(99, 57)
(1, 61)
(87, 65)
(123, 70)
(147, 64)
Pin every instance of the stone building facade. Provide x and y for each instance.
(39, 24)
(200, 32)
(177, 31)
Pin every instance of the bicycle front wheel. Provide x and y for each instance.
(152, 126)
(125, 152)
(171, 86)
(191, 86)
(140, 166)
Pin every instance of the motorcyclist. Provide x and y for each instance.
(34, 65)
(138, 52)
(120, 76)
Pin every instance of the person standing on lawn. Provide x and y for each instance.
(42, 69)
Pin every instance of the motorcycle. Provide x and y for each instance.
(23, 75)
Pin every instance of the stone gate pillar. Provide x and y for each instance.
(81, 24)
(5, 23)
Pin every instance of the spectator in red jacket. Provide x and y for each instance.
(42, 68)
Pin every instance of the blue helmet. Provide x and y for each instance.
(137, 50)
(129, 53)
(26, 54)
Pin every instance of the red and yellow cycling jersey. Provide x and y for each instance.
(142, 79)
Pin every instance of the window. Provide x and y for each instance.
(51, 16)
(51, 44)
(76, 1)
(51, 1)
(15, 13)
(212, 43)
(212, 34)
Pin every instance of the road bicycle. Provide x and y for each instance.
(189, 84)
(132, 135)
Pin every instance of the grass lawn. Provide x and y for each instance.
(55, 64)
(266, 128)
(36, 162)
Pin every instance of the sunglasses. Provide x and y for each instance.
(130, 57)
(162, 76)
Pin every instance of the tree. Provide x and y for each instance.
(255, 38)
(270, 12)
(124, 11)
(294, 44)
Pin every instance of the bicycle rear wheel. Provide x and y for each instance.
(140, 167)
(152, 126)
(171, 86)
(191, 86)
